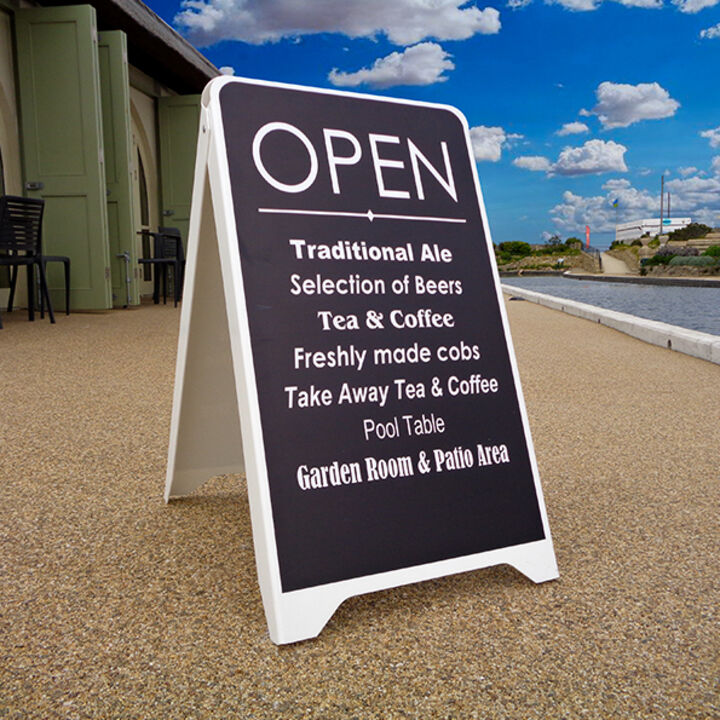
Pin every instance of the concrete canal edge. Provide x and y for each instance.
(691, 342)
(645, 280)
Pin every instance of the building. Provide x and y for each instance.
(99, 109)
(627, 232)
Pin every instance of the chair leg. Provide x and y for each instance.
(45, 292)
(164, 283)
(31, 291)
(42, 296)
(181, 282)
(156, 284)
(176, 282)
(67, 286)
(13, 282)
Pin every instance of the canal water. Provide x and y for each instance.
(695, 308)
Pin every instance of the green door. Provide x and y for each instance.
(178, 120)
(59, 93)
(115, 92)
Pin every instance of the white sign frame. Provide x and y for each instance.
(215, 401)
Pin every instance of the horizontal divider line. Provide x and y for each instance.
(369, 215)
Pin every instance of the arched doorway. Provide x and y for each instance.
(2, 173)
(142, 204)
(4, 271)
(144, 177)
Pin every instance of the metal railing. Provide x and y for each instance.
(596, 252)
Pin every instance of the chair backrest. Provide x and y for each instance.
(21, 224)
(171, 243)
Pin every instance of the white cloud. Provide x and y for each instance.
(647, 4)
(630, 199)
(708, 216)
(696, 197)
(693, 6)
(711, 32)
(517, 4)
(578, 5)
(404, 22)
(686, 6)
(716, 165)
(533, 162)
(227, 70)
(422, 64)
(488, 142)
(595, 156)
(597, 211)
(586, 5)
(620, 105)
(694, 192)
(573, 128)
(713, 136)
(685, 171)
(592, 158)
(576, 211)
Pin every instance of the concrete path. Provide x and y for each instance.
(114, 605)
(613, 266)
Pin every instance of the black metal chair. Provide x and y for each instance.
(168, 252)
(21, 241)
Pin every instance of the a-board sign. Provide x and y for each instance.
(343, 339)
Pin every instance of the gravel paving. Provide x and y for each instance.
(113, 605)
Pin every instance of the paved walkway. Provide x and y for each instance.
(612, 266)
(113, 605)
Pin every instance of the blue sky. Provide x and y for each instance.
(573, 104)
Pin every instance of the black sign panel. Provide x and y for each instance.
(391, 422)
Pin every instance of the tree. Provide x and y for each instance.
(515, 247)
(690, 232)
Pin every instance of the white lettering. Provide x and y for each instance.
(334, 138)
(257, 157)
(379, 163)
(415, 155)
(335, 160)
